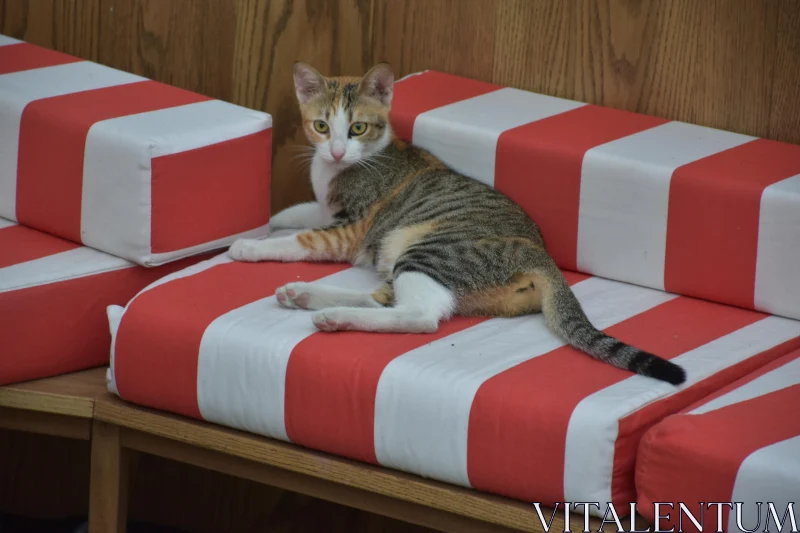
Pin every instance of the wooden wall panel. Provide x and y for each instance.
(181, 42)
(732, 64)
(70, 26)
(455, 36)
(332, 35)
(43, 476)
(784, 118)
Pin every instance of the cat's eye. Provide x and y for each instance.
(358, 128)
(321, 126)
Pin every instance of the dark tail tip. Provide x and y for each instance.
(665, 371)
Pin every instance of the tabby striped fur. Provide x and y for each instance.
(442, 243)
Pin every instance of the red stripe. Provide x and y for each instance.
(19, 244)
(512, 411)
(49, 188)
(712, 229)
(24, 56)
(695, 458)
(539, 166)
(158, 340)
(332, 380)
(61, 327)
(229, 192)
(633, 427)
(428, 91)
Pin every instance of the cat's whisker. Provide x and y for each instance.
(372, 171)
(373, 167)
(301, 148)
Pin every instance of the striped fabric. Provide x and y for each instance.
(666, 205)
(740, 445)
(53, 296)
(135, 168)
(500, 405)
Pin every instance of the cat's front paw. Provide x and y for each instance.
(248, 250)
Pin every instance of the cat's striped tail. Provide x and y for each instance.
(564, 315)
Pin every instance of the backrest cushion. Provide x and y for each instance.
(668, 205)
(135, 168)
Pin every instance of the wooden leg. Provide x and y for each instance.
(108, 488)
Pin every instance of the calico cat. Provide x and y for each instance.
(442, 243)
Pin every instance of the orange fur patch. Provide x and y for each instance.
(521, 296)
(335, 244)
(384, 295)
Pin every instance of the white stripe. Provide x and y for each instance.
(6, 223)
(115, 312)
(404, 78)
(622, 223)
(424, 397)
(774, 380)
(163, 258)
(241, 374)
(116, 200)
(18, 89)
(778, 265)
(592, 431)
(5, 40)
(770, 474)
(62, 266)
(464, 134)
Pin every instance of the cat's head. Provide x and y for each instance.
(347, 119)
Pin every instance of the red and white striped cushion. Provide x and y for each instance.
(500, 405)
(53, 298)
(129, 166)
(740, 445)
(667, 205)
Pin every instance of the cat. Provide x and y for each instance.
(441, 242)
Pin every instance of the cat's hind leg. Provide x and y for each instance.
(316, 296)
(420, 304)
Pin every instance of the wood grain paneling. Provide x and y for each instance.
(181, 42)
(71, 26)
(455, 36)
(43, 476)
(332, 35)
(784, 116)
(732, 64)
(713, 62)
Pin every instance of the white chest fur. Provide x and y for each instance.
(322, 173)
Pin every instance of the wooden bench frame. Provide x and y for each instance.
(79, 406)
(62, 406)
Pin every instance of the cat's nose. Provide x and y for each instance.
(337, 154)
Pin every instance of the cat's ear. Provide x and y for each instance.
(378, 83)
(308, 83)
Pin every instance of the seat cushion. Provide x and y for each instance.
(53, 296)
(135, 168)
(663, 204)
(496, 404)
(740, 445)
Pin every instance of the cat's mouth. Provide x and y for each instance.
(340, 164)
